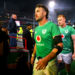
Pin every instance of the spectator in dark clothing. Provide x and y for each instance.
(27, 36)
(30, 42)
(4, 50)
(69, 23)
(4, 28)
(12, 24)
(12, 28)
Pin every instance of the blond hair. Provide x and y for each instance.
(61, 16)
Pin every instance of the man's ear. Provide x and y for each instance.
(45, 13)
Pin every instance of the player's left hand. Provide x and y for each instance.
(41, 64)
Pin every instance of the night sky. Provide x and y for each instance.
(27, 6)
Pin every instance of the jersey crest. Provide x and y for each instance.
(66, 31)
(44, 31)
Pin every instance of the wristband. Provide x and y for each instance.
(33, 55)
(59, 49)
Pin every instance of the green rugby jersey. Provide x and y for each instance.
(66, 38)
(44, 38)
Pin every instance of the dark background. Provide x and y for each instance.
(26, 8)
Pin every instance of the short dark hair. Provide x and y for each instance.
(44, 7)
(28, 24)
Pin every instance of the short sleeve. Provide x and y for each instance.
(55, 30)
(72, 31)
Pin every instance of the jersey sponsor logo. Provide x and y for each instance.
(66, 31)
(44, 31)
(40, 44)
(62, 36)
(38, 38)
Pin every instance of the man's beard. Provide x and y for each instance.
(39, 20)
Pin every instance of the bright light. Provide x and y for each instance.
(51, 4)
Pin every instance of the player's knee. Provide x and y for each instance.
(59, 61)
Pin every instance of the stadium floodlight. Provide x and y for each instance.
(51, 4)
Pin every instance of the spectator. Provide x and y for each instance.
(73, 25)
(4, 49)
(69, 23)
(4, 28)
(23, 61)
(27, 35)
(12, 28)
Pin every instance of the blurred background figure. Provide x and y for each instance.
(68, 38)
(4, 28)
(4, 48)
(73, 25)
(27, 35)
(23, 61)
(69, 23)
(12, 28)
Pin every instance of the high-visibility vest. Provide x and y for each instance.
(20, 31)
(31, 31)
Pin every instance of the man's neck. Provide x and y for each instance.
(64, 25)
(43, 21)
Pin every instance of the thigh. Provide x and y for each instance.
(35, 71)
(51, 69)
(59, 57)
